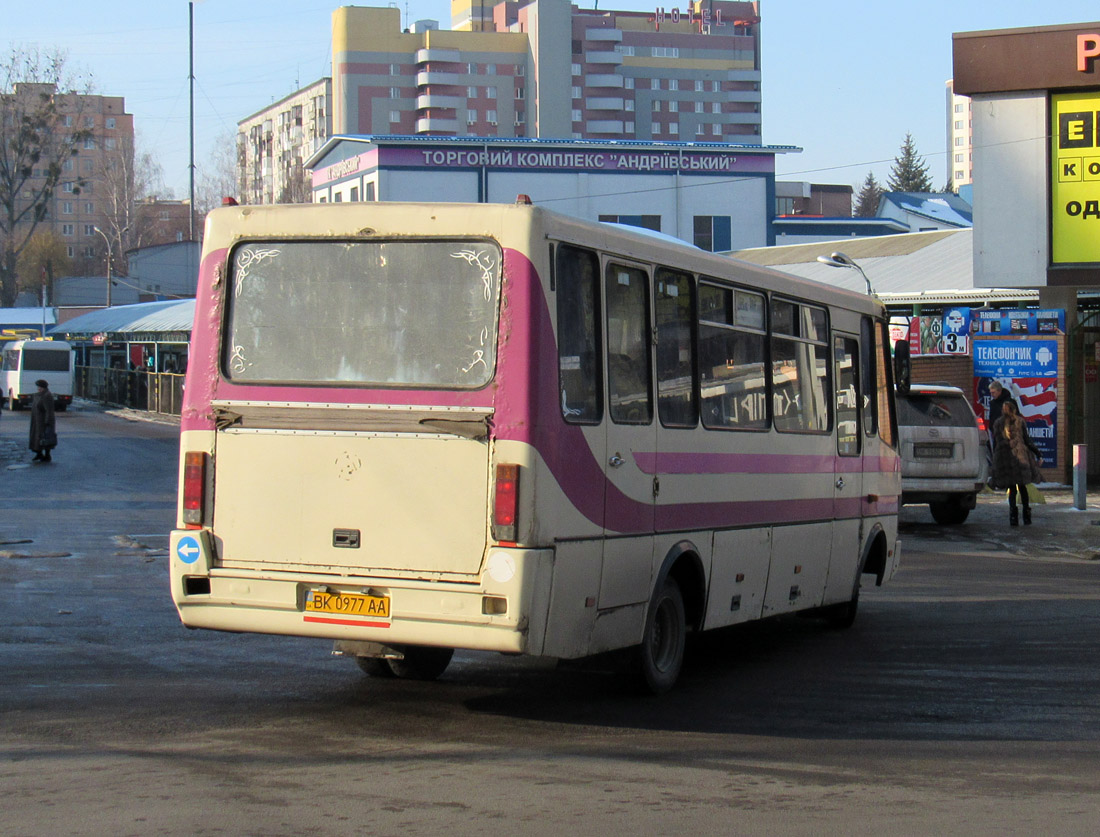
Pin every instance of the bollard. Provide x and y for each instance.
(1080, 475)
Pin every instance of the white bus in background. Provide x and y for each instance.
(27, 361)
(412, 428)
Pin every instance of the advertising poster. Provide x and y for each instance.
(956, 331)
(1075, 177)
(1028, 369)
(1020, 323)
(925, 335)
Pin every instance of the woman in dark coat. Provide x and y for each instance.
(1015, 460)
(43, 436)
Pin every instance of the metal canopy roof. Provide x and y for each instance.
(143, 318)
(911, 263)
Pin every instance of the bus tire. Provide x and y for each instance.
(374, 666)
(421, 662)
(662, 651)
(842, 616)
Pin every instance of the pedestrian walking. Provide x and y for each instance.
(1015, 460)
(997, 398)
(43, 435)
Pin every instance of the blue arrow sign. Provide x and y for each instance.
(187, 550)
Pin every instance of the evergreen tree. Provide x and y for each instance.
(909, 172)
(868, 197)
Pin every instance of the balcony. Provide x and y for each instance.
(603, 58)
(424, 78)
(435, 125)
(450, 56)
(604, 80)
(435, 100)
(604, 126)
(604, 104)
(606, 35)
(742, 96)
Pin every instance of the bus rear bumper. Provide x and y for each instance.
(503, 609)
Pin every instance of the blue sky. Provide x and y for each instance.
(844, 81)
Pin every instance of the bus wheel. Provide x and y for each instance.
(843, 615)
(421, 662)
(662, 649)
(374, 666)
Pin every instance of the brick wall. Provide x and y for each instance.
(952, 370)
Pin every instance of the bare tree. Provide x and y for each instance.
(40, 129)
(299, 188)
(128, 176)
(218, 179)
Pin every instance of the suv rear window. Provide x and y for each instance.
(934, 410)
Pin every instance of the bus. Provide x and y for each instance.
(27, 361)
(415, 428)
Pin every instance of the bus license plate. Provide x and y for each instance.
(934, 451)
(348, 604)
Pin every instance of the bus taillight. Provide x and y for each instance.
(506, 503)
(194, 487)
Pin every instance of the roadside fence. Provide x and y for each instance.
(156, 392)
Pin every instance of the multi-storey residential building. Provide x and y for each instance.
(548, 69)
(960, 139)
(94, 179)
(273, 143)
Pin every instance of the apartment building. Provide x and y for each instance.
(273, 143)
(92, 181)
(960, 139)
(549, 69)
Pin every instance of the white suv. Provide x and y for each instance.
(943, 455)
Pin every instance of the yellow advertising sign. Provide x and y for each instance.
(1075, 178)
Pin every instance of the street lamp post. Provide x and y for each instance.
(106, 239)
(838, 259)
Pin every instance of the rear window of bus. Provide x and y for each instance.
(371, 313)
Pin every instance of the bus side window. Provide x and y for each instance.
(579, 360)
(732, 358)
(867, 376)
(628, 340)
(675, 309)
(884, 386)
(800, 368)
(848, 437)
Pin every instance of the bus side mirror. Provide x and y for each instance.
(903, 367)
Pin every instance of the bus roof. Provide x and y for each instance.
(228, 225)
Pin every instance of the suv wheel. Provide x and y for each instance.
(948, 513)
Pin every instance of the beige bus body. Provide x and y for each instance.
(386, 493)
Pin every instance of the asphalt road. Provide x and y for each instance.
(966, 699)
